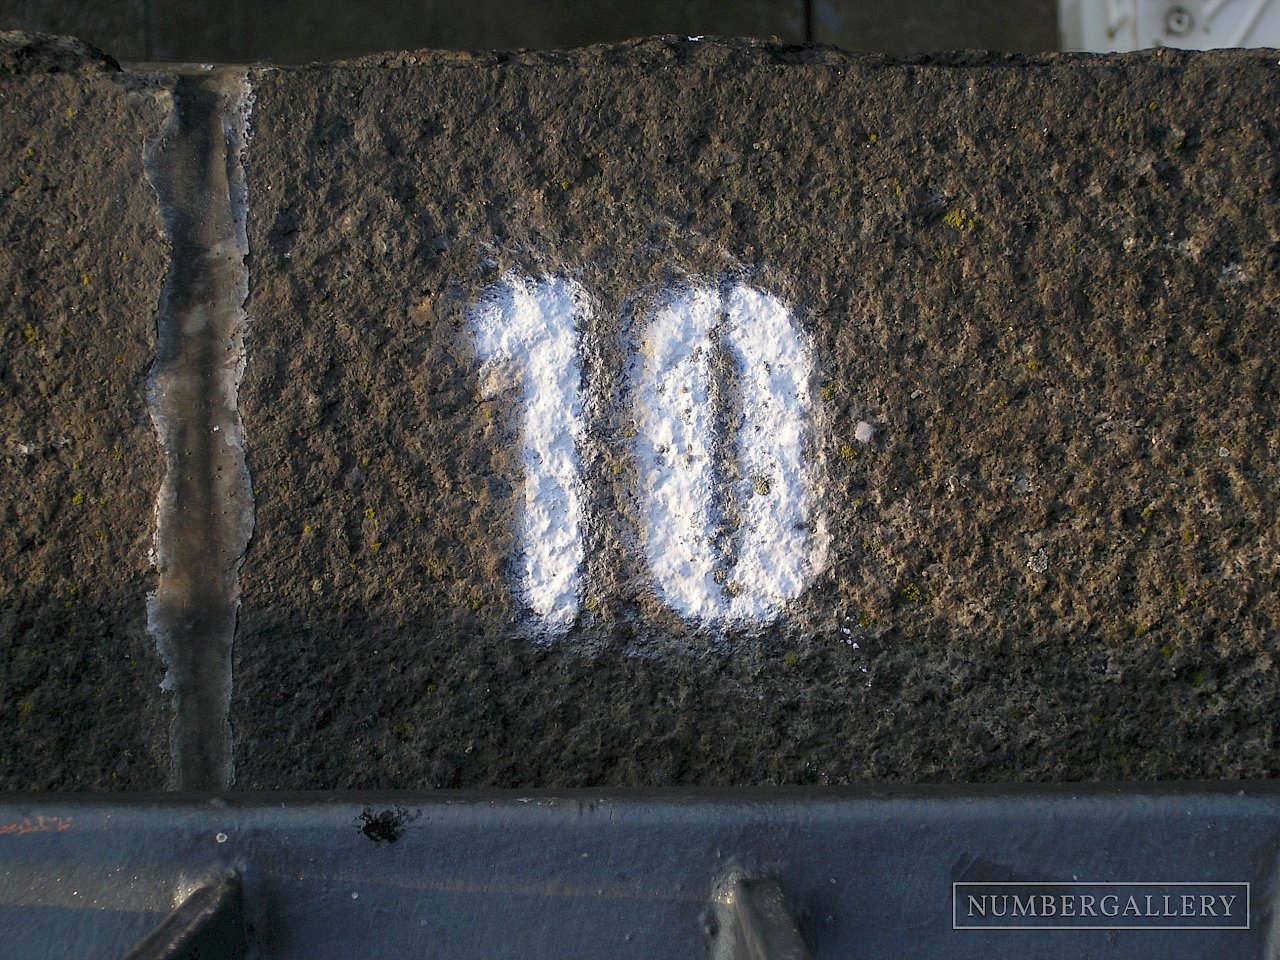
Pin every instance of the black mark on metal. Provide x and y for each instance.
(385, 827)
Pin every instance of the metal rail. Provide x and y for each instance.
(208, 925)
(1174, 871)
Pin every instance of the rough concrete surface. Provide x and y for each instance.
(1049, 283)
(81, 266)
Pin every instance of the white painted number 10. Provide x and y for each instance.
(724, 547)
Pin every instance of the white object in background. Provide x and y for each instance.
(1107, 26)
(776, 553)
(526, 334)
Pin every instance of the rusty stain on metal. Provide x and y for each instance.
(37, 825)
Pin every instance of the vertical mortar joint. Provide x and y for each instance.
(204, 513)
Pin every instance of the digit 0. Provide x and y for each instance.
(706, 570)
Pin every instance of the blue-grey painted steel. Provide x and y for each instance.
(866, 873)
(207, 925)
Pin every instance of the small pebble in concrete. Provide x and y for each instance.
(864, 432)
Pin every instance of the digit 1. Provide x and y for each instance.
(526, 336)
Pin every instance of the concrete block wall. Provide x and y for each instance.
(985, 338)
(83, 261)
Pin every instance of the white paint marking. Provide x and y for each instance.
(673, 450)
(780, 549)
(526, 334)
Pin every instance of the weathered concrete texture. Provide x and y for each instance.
(81, 260)
(914, 26)
(1050, 283)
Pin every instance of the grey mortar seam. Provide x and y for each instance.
(204, 509)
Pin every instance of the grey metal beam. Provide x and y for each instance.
(865, 873)
(755, 923)
(207, 925)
